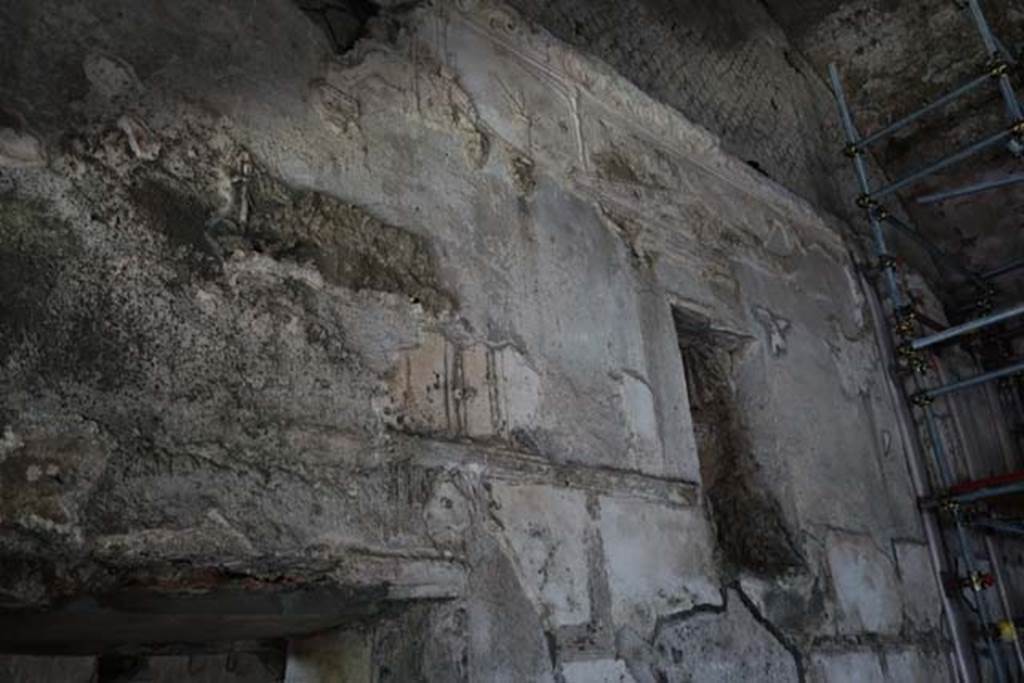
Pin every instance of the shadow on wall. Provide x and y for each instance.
(343, 21)
(749, 523)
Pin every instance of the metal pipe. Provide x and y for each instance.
(941, 456)
(928, 108)
(1000, 421)
(1001, 527)
(1003, 270)
(1013, 111)
(850, 130)
(1018, 410)
(1007, 55)
(991, 492)
(946, 476)
(966, 665)
(984, 613)
(967, 327)
(975, 381)
(945, 162)
(981, 23)
(970, 189)
(992, 47)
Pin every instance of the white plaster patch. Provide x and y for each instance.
(597, 671)
(20, 149)
(916, 666)
(109, 76)
(546, 528)
(920, 591)
(781, 239)
(775, 328)
(640, 420)
(32, 473)
(10, 442)
(846, 667)
(141, 140)
(658, 560)
(866, 586)
(521, 392)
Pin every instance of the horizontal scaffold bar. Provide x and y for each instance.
(1003, 270)
(936, 166)
(973, 381)
(967, 327)
(968, 190)
(942, 101)
(989, 492)
(1012, 528)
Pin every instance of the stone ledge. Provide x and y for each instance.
(527, 468)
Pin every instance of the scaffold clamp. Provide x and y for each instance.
(912, 359)
(906, 318)
(879, 213)
(865, 201)
(853, 151)
(978, 581)
(922, 399)
(1006, 630)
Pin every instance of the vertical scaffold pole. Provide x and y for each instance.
(992, 47)
(855, 151)
(963, 543)
(875, 217)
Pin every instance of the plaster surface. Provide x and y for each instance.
(387, 341)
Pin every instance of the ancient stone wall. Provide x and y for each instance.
(394, 339)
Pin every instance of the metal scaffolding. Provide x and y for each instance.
(962, 514)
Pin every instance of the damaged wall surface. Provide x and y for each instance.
(449, 356)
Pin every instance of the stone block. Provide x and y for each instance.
(546, 528)
(911, 665)
(920, 591)
(641, 421)
(597, 671)
(845, 667)
(865, 584)
(721, 646)
(658, 560)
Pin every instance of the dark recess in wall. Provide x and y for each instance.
(748, 520)
(344, 22)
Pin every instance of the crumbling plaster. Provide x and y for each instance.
(490, 423)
